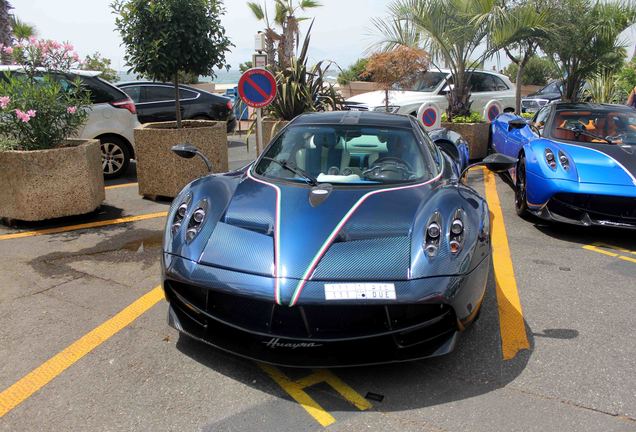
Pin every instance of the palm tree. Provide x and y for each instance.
(587, 40)
(5, 23)
(460, 33)
(285, 17)
(22, 30)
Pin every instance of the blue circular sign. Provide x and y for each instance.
(257, 87)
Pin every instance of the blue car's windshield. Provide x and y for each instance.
(619, 127)
(347, 154)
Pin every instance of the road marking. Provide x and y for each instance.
(45, 373)
(511, 325)
(82, 226)
(596, 247)
(123, 185)
(296, 390)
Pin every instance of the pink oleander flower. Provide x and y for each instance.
(68, 47)
(32, 40)
(4, 101)
(56, 45)
(23, 116)
(7, 50)
(31, 113)
(75, 56)
(71, 109)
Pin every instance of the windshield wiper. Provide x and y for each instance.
(578, 132)
(298, 171)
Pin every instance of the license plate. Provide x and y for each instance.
(360, 291)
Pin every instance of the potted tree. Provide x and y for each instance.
(164, 38)
(43, 172)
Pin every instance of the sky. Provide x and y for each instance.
(342, 29)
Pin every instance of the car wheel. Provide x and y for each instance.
(115, 156)
(521, 203)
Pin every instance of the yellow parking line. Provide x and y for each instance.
(45, 373)
(511, 325)
(624, 258)
(82, 226)
(601, 251)
(123, 185)
(620, 249)
(596, 247)
(296, 390)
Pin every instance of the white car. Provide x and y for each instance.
(433, 87)
(112, 119)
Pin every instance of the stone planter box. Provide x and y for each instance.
(162, 173)
(270, 129)
(47, 184)
(476, 134)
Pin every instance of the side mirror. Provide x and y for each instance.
(495, 162)
(517, 124)
(188, 151)
(446, 89)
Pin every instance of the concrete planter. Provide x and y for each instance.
(270, 129)
(47, 184)
(477, 135)
(162, 173)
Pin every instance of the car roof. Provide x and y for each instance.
(87, 73)
(589, 106)
(361, 118)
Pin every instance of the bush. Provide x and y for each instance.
(474, 117)
(538, 71)
(626, 78)
(40, 106)
(355, 72)
(96, 62)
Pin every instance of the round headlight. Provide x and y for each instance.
(183, 208)
(433, 230)
(199, 215)
(191, 234)
(457, 227)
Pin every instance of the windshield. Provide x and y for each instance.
(427, 82)
(346, 154)
(604, 127)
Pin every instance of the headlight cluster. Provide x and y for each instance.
(195, 221)
(391, 109)
(433, 234)
(552, 160)
(180, 214)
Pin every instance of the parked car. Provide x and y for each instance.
(433, 87)
(112, 118)
(552, 92)
(155, 102)
(577, 163)
(349, 241)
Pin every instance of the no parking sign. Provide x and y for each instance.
(257, 87)
(428, 114)
(492, 109)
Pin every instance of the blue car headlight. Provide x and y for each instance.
(196, 221)
(180, 215)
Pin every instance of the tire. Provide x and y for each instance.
(521, 195)
(115, 156)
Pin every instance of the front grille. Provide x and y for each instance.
(598, 207)
(310, 321)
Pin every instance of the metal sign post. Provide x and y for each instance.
(257, 88)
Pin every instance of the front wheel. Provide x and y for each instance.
(521, 197)
(115, 156)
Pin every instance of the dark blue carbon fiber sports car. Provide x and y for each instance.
(350, 241)
(577, 163)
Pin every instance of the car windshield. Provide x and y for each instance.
(346, 154)
(603, 127)
(427, 82)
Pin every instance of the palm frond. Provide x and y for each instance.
(257, 10)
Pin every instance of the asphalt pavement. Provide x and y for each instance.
(85, 343)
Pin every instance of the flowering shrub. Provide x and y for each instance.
(41, 105)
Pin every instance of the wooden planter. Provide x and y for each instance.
(47, 184)
(162, 173)
(476, 134)
(354, 88)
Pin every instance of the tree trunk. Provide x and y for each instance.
(386, 100)
(518, 81)
(177, 100)
(459, 97)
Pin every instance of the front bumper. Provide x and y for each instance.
(585, 204)
(321, 334)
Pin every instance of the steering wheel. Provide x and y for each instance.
(389, 168)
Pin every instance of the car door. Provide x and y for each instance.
(156, 103)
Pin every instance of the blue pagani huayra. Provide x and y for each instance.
(577, 163)
(351, 240)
